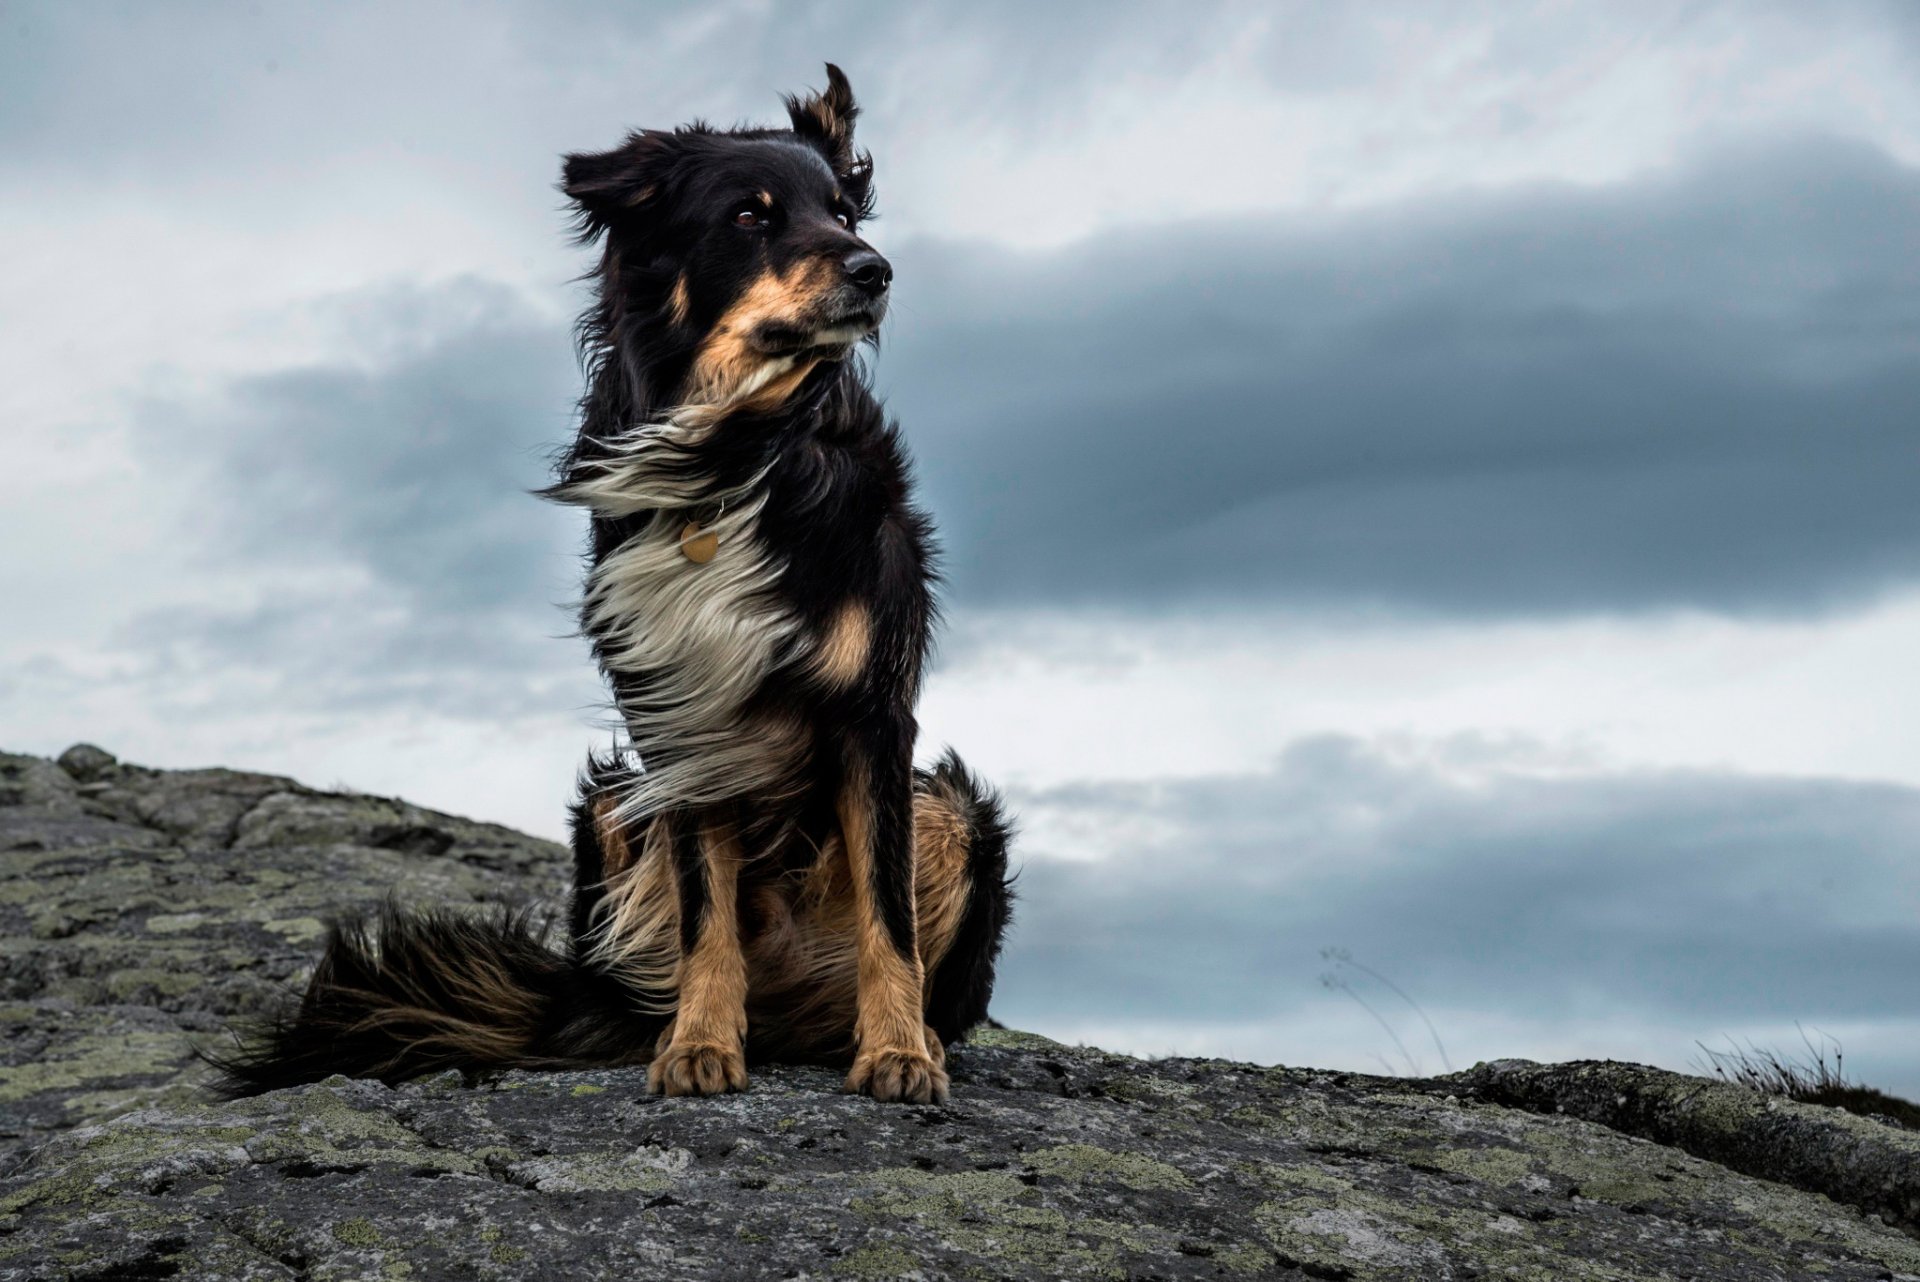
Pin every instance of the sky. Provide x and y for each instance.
(1428, 489)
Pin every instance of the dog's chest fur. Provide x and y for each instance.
(817, 591)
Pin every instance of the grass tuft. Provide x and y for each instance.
(1819, 1078)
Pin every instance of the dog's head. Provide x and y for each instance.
(734, 261)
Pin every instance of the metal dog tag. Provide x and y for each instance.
(697, 545)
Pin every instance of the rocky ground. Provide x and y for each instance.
(140, 909)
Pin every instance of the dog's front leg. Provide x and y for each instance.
(704, 1050)
(892, 1060)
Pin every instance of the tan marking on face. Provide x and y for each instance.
(728, 368)
(841, 655)
(679, 306)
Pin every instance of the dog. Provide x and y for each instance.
(760, 873)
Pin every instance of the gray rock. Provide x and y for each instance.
(192, 898)
(1863, 1162)
(136, 917)
(86, 763)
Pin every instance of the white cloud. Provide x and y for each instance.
(1040, 700)
(1287, 110)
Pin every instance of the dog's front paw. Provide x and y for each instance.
(899, 1075)
(697, 1070)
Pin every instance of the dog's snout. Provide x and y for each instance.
(869, 271)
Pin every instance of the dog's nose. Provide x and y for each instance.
(870, 272)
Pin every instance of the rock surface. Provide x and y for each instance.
(142, 908)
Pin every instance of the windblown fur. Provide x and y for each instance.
(761, 872)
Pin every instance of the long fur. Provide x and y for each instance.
(760, 873)
(404, 992)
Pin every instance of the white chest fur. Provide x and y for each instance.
(695, 639)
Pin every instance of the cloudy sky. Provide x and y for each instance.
(1439, 482)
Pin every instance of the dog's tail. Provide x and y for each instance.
(403, 993)
(961, 985)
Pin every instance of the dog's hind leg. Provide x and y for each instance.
(703, 1052)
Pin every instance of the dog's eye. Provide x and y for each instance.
(748, 216)
(845, 219)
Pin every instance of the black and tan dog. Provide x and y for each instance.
(764, 875)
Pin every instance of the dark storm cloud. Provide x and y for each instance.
(1659, 896)
(377, 506)
(415, 461)
(1699, 391)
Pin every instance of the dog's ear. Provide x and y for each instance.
(607, 186)
(826, 119)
